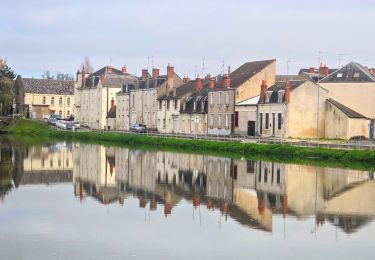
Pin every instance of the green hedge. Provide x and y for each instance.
(344, 158)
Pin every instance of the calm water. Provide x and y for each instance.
(80, 201)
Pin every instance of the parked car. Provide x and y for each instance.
(77, 125)
(52, 121)
(71, 126)
(139, 128)
(61, 124)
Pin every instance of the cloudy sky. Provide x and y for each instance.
(57, 35)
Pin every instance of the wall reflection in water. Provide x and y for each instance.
(250, 192)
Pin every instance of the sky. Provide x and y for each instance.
(57, 35)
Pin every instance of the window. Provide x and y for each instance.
(219, 97)
(68, 113)
(227, 98)
(195, 106)
(175, 104)
(146, 100)
(52, 101)
(236, 119)
(60, 113)
(260, 123)
(279, 121)
(60, 101)
(211, 98)
(184, 106)
(44, 100)
(219, 121)
(160, 104)
(168, 104)
(339, 75)
(250, 167)
(163, 123)
(356, 75)
(227, 121)
(278, 176)
(202, 106)
(211, 120)
(68, 101)
(133, 101)
(265, 174)
(42, 163)
(267, 121)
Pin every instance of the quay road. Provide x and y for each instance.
(331, 144)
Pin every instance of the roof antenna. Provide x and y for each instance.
(203, 68)
(287, 67)
(222, 68)
(228, 70)
(148, 62)
(152, 61)
(196, 71)
(341, 56)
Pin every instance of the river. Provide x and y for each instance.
(65, 200)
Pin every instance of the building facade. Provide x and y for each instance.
(41, 98)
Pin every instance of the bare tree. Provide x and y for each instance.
(64, 76)
(87, 65)
(47, 75)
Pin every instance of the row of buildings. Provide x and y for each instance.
(251, 100)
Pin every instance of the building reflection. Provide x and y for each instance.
(253, 193)
(250, 192)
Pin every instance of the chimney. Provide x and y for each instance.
(323, 70)
(83, 77)
(109, 69)
(373, 71)
(124, 69)
(198, 84)
(112, 103)
(186, 79)
(144, 73)
(263, 92)
(101, 78)
(212, 83)
(226, 81)
(170, 72)
(287, 92)
(312, 70)
(155, 73)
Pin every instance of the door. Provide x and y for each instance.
(251, 128)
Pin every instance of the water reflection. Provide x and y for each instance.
(250, 192)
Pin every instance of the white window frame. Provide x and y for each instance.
(219, 121)
(211, 120)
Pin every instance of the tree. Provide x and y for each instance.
(64, 76)
(87, 65)
(6, 71)
(6, 95)
(47, 75)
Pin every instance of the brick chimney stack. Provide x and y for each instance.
(83, 76)
(212, 83)
(155, 72)
(198, 84)
(312, 70)
(323, 70)
(226, 81)
(287, 92)
(124, 69)
(263, 92)
(373, 71)
(170, 72)
(109, 69)
(144, 73)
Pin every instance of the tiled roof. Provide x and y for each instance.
(279, 87)
(346, 110)
(198, 98)
(352, 72)
(48, 86)
(245, 72)
(181, 91)
(112, 112)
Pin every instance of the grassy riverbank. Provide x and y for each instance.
(344, 158)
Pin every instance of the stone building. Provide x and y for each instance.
(94, 94)
(40, 98)
(235, 87)
(137, 102)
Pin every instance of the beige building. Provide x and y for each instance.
(137, 102)
(344, 123)
(280, 111)
(95, 92)
(40, 98)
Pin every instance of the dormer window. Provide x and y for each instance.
(184, 106)
(268, 96)
(280, 95)
(356, 75)
(202, 106)
(339, 75)
(195, 106)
